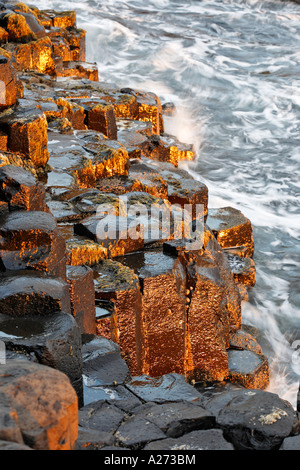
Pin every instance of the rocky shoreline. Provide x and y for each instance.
(121, 290)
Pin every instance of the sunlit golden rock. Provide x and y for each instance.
(111, 160)
(3, 141)
(242, 340)
(18, 29)
(61, 48)
(27, 134)
(167, 148)
(147, 179)
(45, 404)
(36, 56)
(62, 19)
(75, 38)
(208, 322)
(78, 69)
(31, 240)
(80, 251)
(99, 116)
(163, 320)
(15, 159)
(233, 297)
(73, 112)
(119, 284)
(231, 228)
(8, 83)
(3, 35)
(148, 108)
(21, 190)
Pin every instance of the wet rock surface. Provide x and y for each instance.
(131, 339)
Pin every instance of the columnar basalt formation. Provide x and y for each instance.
(88, 177)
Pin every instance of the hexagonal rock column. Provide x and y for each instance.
(208, 321)
(111, 160)
(100, 116)
(27, 134)
(163, 285)
(44, 402)
(31, 240)
(118, 284)
(248, 368)
(21, 190)
(82, 295)
(147, 108)
(8, 85)
(231, 229)
(233, 296)
(36, 56)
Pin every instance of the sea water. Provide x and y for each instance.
(232, 68)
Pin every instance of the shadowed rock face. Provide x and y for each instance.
(30, 293)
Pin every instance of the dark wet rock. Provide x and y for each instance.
(21, 190)
(243, 269)
(176, 418)
(168, 387)
(82, 296)
(168, 109)
(231, 228)
(137, 431)
(184, 190)
(30, 293)
(53, 340)
(102, 362)
(248, 368)
(101, 415)
(254, 419)
(291, 443)
(63, 211)
(93, 440)
(211, 439)
(45, 403)
(114, 394)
